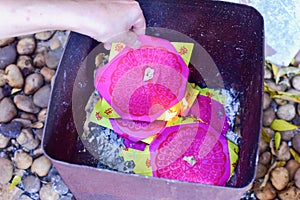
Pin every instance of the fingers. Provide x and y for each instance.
(131, 39)
(139, 26)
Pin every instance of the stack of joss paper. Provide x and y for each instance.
(171, 128)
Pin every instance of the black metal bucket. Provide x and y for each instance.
(233, 36)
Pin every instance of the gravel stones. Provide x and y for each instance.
(8, 55)
(8, 110)
(14, 76)
(27, 140)
(25, 103)
(11, 130)
(268, 116)
(26, 46)
(280, 178)
(47, 73)
(6, 169)
(41, 97)
(32, 184)
(45, 35)
(6, 41)
(33, 82)
(286, 112)
(3, 141)
(296, 143)
(53, 57)
(41, 166)
(22, 159)
(47, 193)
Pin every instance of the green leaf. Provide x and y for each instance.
(16, 180)
(295, 155)
(277, 138)
(282, 125)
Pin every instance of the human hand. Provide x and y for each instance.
(113, 21)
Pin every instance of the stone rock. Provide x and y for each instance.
(41, 97)
(288, 135)
(42, 115)
(41, 166)
(8, 55)
(33, 82)
(280, 178)
(24, 197)
(11, 129)
(261, 171)
(26, 46)
(6, 169)
(1, 93)
(45, 35)
(39, 60)
(286, 112)
(296, 82)
(2, 78)
(26, 104)
(266, 101)
(28, 116)
(268, 116)
(47, 193)
(292, 166)
(6, 41)
(10, 194)
(32, 184)
(3, 141)
(25, 64)
(54, 43)
(27, 140)
(265, 158)
(14, 76)
(296, 143)
(291, 193)
(24, 122)
(39, 133)
(53, 58)
(47, 73)
(8, 110)
(22, 159)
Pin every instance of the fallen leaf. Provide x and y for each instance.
(16, 180)
(277, 139)
(286, 71)
(282, 125)
(265, 135)
(281, 95)
(295, 155)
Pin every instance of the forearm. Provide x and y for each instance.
(30, 16)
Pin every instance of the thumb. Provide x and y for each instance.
(131, 39)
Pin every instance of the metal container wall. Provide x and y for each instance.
(232, 35)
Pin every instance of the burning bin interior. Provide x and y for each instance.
(232, 36)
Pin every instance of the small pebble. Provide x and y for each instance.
(296, 143)
(291, 193)
(14, 76)
(42, 96)
(3, 141)
(268, 116)
(39, 133)
(45, 35)
(42, 115)
(32, 184)
(24, 197)
(266, 101)
(41, 166)
(288, 135)
(54, 43)
(26, 46)
(265, 158)
(283, 152)
(275, 86)
(24, 122)
(261, 171)
(25, 64)
(27, 140)
(286, 112)
(8, 110)
(6, 169)
(47, 193)
(60, 187)
(8, 55)
(25, 103)
(2, 78)
(268, 74)
(39, 60)
(33, 82)
(53, 58)
(280, 178)
(1, 93)
(265, 193)
(296, 82)
(47, 73)
(292, 166)
(6, 41)
(297, 178)
(22, 159)
(28, 116)
(11, 130)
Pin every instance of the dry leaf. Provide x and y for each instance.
(295, 155)
(282, 125)
(37, 125)
(281, 95)
(265, 135)
(277, 138)
(16, 180)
